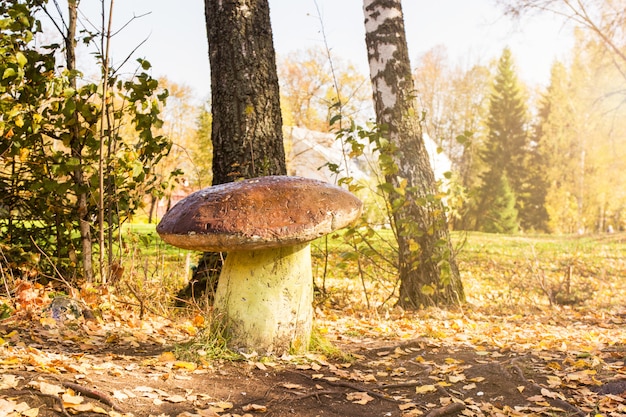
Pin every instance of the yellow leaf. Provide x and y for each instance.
(580, 364)
(167, 357)
(423, 389)
(198, 321)
(427, 289)
(255, 407)
(536, 398)
(207, 413)
(82, 408)
(48, 322)
(407, 406)
(176, 399)
(31, 412)
(22, 407)
(554, 381)
(190, 366)
(291, 386)
(221, 406)
(359, 397)
(369, 378)
(456, 378)
(8, 381)
(548, 393)
(70, 400)
(99, 410)
(50, 389)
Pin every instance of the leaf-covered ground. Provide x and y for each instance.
(525, 344)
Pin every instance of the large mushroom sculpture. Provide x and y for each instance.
(265, 225)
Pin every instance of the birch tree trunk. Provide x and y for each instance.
(247, 123)
(427, 268)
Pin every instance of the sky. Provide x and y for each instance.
(473, 32)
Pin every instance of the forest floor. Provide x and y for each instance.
(506, 352)
(433, 363)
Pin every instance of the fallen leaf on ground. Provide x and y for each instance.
(255, 407)
(8, 381)
(359, 397)
(423, 389)
(50, 389)
(289, 385)
(176, 399)
(407, 406)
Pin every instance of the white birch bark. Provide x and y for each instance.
(421, 227)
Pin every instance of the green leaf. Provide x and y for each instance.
(334, 119)
(145, 65)
(21, 59)
(68, 92)
(428, 290)
(8, 72)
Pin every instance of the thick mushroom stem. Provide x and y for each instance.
(266, 296)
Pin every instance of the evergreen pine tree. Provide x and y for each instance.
(506, 149)
(502, 214)
(559, 146)
(533, 214)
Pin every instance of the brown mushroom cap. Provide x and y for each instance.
(258, 213)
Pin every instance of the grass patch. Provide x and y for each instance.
(210, 344)
(499, 272)
(319, 343)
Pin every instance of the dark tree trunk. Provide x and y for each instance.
(247, 123)
(246, 130)
(427, 268)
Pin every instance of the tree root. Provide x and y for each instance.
(408, 384)
(317, 394)
(57, 399)
(554, 402)
(95, 394)
(451, 408)
(359, 388)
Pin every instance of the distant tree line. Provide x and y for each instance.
(524, 159)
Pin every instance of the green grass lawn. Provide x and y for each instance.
(499, 272)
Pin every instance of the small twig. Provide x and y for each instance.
(355, 387)
(148, 309)
(61, 278)
(316, 394)
(359, 388)
(142, 304)
(408, 384)
(555, 402)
